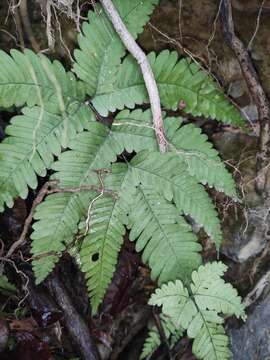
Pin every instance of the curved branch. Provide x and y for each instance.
(147, 72)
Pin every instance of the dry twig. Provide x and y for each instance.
(257, 25)
(42, 193)
(49, 188)
(147, 72)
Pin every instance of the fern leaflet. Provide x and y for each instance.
(201, 158)
(152, 341)
(35, 137)
(166, 239)
(28, 78)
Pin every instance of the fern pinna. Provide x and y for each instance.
(151, 195)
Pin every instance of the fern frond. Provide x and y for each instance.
(134, 131)
(90, 150)
(57, 221)
(28, 78)
(98, 61)
(153, 341)
(168, 244)
(169, 175)
(34, 138)
(176, 80)
(198, 309)
(99, 252)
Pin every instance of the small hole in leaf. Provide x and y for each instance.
(95, 257)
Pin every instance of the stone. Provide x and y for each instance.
(252, 341)
(251, 112)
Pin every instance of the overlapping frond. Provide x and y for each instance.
(34, 138)
(198, 309)
(134, 131)
(177, 80)
(155, 223)
(98, 61)
(59, 215)
(169, 176)
(168, 245)
(28, 78)
(91, 150)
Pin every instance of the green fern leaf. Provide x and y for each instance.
(28, 78)
(134, 131)
(166, 239)
(168, 175)
(98, 61)
(90, 150)
(57, 222)
(176, 80)
(157, 234)
(99, 253)
(153, 341)
(207, 292)
(35, 137)
(202, 159)
(198, 309)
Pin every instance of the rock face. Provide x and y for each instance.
(252, 340)
(243, 225)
